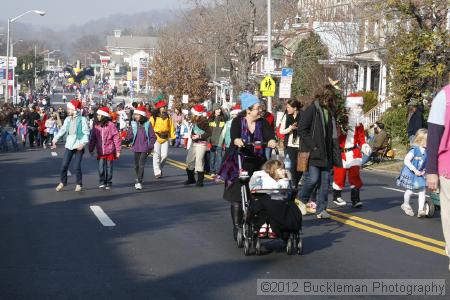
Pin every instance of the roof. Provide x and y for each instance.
(131, 42)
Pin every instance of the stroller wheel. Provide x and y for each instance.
(240, 238)
(299, 246)
(258, 246)
(290, 246)
(429, 208)
(246, 247)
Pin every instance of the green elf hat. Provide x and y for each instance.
(159, 98)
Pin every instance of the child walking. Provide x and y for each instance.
(412, 176)
(105, 138)
(142, 139)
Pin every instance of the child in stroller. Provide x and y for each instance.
(272, 211)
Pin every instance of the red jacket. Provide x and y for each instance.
(270, 118)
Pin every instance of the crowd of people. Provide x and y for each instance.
(321, 150)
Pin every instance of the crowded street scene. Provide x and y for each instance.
(226, 149)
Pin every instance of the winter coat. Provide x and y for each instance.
(105, 139)
(319, 138)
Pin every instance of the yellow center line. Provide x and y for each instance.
(390, 228)
(351, 221)
(391, 236)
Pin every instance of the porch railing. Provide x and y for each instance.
(376, 113)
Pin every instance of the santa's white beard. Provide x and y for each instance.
(355, 117)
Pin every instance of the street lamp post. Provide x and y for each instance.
(269, 46)
(14, 74)
(39, 12)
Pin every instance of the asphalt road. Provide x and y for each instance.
(175, 242)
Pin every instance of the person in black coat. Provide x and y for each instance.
(318, 134)
(415, 119)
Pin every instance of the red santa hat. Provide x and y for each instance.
(140, 110)
(104, 111)
(160, 104)
(236, 109)
(74, 104)
(354, 99)
(198, 110)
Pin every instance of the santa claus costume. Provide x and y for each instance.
(352, 144)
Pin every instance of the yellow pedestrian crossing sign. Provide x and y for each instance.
(267, 87)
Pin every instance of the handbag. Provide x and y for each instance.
(303, 156)
(163, 135)
(279, 135)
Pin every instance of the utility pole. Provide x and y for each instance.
(35, 61)
(269, 46)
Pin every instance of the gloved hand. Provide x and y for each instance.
(366, 149)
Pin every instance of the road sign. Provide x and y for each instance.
(285, 90)
(185, 99)
(267, 86)
(269, 65)
(12, 62)
(287, 72)
(286, 75)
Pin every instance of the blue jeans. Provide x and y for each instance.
(268, 153)
(215, 159)
(6, 136)
(319, 177)
(365, 159)
(68, 155)
(105, 171)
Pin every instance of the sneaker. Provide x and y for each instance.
(301, 206)
(323, 215)
(138, 186)
(272, 235)
(407, 209)
(78, 188)
(421, 213)
(107, 187)
(340, 202)
(311, 207)
(101, 186)
(357, 204)
(158, 176)
(263, 231)
(59, 187)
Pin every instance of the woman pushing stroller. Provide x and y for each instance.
(250, 133)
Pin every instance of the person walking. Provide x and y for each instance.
(164, 129)
(318, 132)
(200, 134)
(32, 120)
(106, 140)
(142, 139)
(216, 123)
(289, 127)
(177, 119)
(77, 129)
(225, 137)
(438, 150)
(251, 133)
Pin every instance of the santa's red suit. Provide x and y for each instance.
(352, 143)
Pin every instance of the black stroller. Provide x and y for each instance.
(258, 208)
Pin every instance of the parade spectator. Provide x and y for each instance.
(141, 137)
(379, 142)
(216, 124)
(200, 134)
(22, 131)
(412, 176)
(177, 119)
(438, 149)
(77, 129)
(225, 137)
(164, 129)
(289, 127)
(318, 132)
(105, 139)
(415, 119)
(51, 129)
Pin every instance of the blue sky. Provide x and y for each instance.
(66, 12)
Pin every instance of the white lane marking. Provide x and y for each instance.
(101, 216)
(401, 191)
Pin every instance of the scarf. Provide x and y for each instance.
(258, 135)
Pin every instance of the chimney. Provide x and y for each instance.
(117, 33)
